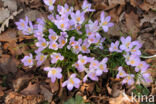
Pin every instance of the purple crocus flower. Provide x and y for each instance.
(55, 57)
(53, 36)
(133, 60)
(71, 42)
(93, 64)
(121, 73)
(50, 3)
(53, 45)
(64, 9)
(51, 18)
(85, 47)
(87, 7)
(80, 67)
(125, 43)
(28, 61)
(129, 79)
(102, 67)
(22, 24)
(28, 29)
(78, 17)
(41, 44)
(142, 66)
(92, 26)
(135, 48)
(82, 59)
(105, 22)
(38, 33)
(62, 41)
(53, 73)
(92, 75)
(40, 58)
(93, 39)
(72, 82)
(114, 47)
(146, 77)
(76, 47)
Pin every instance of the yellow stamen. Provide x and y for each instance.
(53, 37)
(62, 25)
(71, 81)
(43, 44)
(29, 60)
(104, 23)
(84, 48)
(53, 72)
(132, 61)
(42, 58)
(78, 19)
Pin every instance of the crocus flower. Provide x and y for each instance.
(92, 75)
(53, 45)
(38, 33)
(133, 60)
(53, 73)
(64, 9)
(28, 61)
(125, 43)
(53, 36)
(93, 64)
(50, 3)
(105, 22)
(55, 57)
(102, 67)
(51, 18)
(76, 47)
(22, 24)
(129, 79)
(28, 29)
(82, 59)
(78, 17)
(121, 73)
(92, 26)
(135, 48)
(85, 47)
(142, 66)
(80, 67)
(62, 41)
(87, 7)
(41, 44)
(114, 47)
(40, 58)
(72, 82)
(146, 77)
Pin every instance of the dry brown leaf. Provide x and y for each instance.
(19, 82)
(8, 64)
(150, 17)
(16, 98)
(132, 23)
(54, 86)
(89, 87)
(116, 2)
(32, 89)
(5, 13)
(9, 36)
(1, 92)
(6, 22)
(11, 4)
(47, 94)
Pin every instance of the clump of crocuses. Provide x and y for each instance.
(67, 38)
